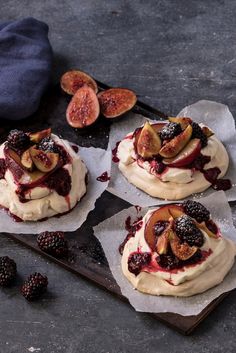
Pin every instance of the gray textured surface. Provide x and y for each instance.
(171, 53)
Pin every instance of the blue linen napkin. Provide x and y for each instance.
(25, 67)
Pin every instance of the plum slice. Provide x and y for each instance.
(163, 213)
(186, 156)
(27, 161)
(72, 80)
(116, 101)
(83, 109)
(44, 161)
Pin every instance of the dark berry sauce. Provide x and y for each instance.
(131, 228)
(212, 174)
(75, 148)
(3, 168)
(115, 159)
(103, 177)
(60, 182)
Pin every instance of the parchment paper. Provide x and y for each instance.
(97, 161)
(215, 115)
(112, 232)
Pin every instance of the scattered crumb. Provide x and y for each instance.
(32, 349)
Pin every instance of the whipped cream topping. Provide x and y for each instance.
(174, 183)
(189, 280)
(43, 202)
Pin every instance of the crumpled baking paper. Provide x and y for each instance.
(97, 161)
(215, 115)
(111, 233)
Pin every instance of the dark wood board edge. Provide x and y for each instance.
(183, 324)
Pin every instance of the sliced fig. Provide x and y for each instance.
(116, 101)
(72, 80)
(44, 161)
(207, 131)
(188, 154)
(27, 161)
(149, 142)
(172, 148)
(36, 137)
(83, 109)
(163, 242)
(157, 127)
(182, 251)
(184, 122)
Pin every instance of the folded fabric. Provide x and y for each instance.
(25, 67)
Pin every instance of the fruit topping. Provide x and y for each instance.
(168, 261)
(18, 140)
(72, 80)
(137, 261)
(116, 101)
(149, 143)
(3, 168)
(163, 241)
(59, 181)
(184, 122)
(207, 131)
(27, 161)
(199, 134)
(36, 137)
(159, 227)
(172, 148)
(83, 109)
(212, 174)
(186, 156)
(53, 243)
(44, 161)
(35, 285)
(182, 251)
(222, 184)
(196, 210)
(157, 167)
(188, 232)
(48, 145)
(210, 228)
(161, 214)
(7, 271)
(170, 130)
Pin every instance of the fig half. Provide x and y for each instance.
(181, 250)
(83, 109)
(149, 142)
(72, 80)
(27, 161)
(36, 137)
(44, 161)
(116, 101)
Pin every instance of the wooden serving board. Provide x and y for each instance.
(86, 256)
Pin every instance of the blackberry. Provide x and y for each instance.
(159, 227)
(137, 261)
(168, 261)
(53, 243)
(196, 210)
(170, 130)
(7, 271)
(34, 286)
(47, 145)
(188, 232)
(198, 133)
(18, 140)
